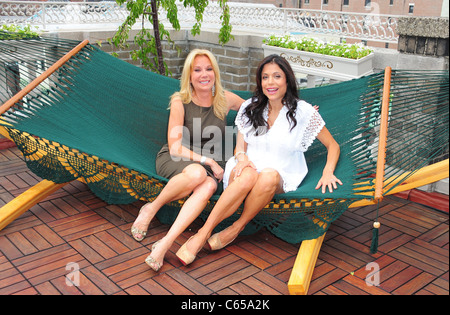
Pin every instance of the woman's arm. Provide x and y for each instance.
(240, 154)
(233, 101)
(175, 136)
(175, 130)
(328, 179)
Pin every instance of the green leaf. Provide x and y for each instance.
(145, 40)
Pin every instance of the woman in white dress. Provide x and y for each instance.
(275, 127)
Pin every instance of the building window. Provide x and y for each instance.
(411, 8)
(325, 1)
(391, 2)
(346, 2)
(367, 3)
(306, 1)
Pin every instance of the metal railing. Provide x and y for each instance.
(260, 19)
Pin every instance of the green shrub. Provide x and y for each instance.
(354, 51)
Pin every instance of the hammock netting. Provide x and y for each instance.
(101, 120)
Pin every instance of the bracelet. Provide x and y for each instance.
(238, 153)
(203, 160)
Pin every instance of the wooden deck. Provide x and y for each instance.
(73, 229)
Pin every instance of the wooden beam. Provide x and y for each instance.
(363, 203)
(26, 200)
(304, 266)
(4, 133)
(32, 196)
(22, 93)
(309, 250)
(381, 159)
(424, 176)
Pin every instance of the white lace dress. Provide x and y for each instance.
(280, 148)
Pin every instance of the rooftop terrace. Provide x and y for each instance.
(74, 226)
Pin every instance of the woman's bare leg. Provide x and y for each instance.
(267, 185)
(178, 187)
(229, 201)
(191, 209)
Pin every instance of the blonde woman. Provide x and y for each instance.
(196, 128)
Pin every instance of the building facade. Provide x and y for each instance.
(431, 8)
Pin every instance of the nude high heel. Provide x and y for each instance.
(184, 255)
(215, 243)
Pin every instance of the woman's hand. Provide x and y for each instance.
(237, 170)
(216, 169)
(330, 181)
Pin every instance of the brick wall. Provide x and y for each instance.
(421, 39)
(424, 36)
(237, 60)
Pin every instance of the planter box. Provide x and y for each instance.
(337, 68)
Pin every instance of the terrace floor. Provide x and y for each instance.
(37, 250)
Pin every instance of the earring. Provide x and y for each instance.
(213, 90)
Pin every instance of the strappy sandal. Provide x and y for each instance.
(151, 262)
(135, 231)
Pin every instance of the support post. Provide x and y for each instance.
(381, 159)
(304, 266)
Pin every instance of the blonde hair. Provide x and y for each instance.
(219, 100)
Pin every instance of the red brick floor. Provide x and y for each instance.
(74, 230)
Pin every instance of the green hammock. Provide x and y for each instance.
(101, 120)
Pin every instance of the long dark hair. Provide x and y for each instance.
(254, 111)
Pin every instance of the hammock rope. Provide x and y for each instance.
(101, 120)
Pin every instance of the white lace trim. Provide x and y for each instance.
(315, 125)
(242, 121)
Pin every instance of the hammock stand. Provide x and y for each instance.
(371, 191)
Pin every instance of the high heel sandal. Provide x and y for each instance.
(135, 230)
(151, 262)
(184, 255)
(215, 243)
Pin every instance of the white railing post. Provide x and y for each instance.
(43, 15)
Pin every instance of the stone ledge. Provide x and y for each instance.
(423, 27)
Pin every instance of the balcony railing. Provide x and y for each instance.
(258, 19)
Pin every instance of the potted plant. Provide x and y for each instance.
(339, 61)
